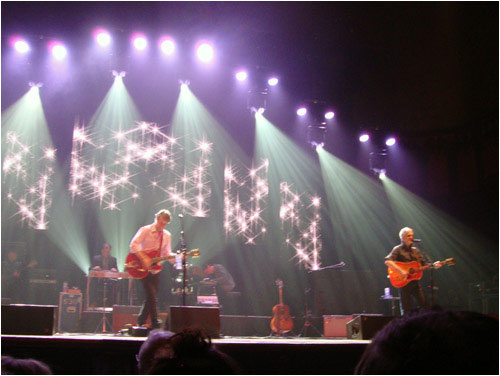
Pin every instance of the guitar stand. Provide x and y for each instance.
(104, 320)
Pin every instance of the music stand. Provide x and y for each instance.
(307, 322)
(104, 319)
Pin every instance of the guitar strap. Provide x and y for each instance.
(161, 242)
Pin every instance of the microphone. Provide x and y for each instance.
(417, 240)
(180, 216)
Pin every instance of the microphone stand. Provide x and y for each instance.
(184, 268)
(429, 260)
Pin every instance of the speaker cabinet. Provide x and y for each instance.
(335, 325)
(123, 315)
(366, 326)
(206, 318)
(28, 319)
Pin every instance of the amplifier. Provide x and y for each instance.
(366, 326)
(207, 300)
(70, 312)
(335, 325)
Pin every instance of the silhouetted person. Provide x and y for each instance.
(156, 346)
(12, 366)
(188, 352)
(434, 343)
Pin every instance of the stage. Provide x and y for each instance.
(115, 354)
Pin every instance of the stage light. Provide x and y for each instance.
(21, 46)
(316, 135)
(273, 81)
(364, 137)
(59, 51)
(184, 84)
(119, 74)
(167, 45)
(302, 111)
(329, 115)
(241, 76)
(205, 52)
(390, 141)
(34, 84)
(140, 42)
(102, 37)
(381, 175)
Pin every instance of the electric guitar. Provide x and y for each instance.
(414, 270)
(281, 321)
(134, 266)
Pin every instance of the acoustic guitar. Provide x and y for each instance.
(414, 269)
(134, 266)
(281, 321)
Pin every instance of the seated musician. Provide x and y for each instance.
(407, 252)
(104, 261)
(15, 277)
(218, 276)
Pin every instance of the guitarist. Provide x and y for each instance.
(407, 252)
(152, 237)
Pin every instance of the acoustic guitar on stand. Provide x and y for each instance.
(134, 266)
(414, 270)
(281, 321)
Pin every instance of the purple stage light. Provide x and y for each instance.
(205, 52)
(103, 39)
(390, 141)
(167, 45)
(241, 76)
(58, 51)
(302, 111)
(364, 137)
(21, 46)
(139, 42)
(329, 115)
(273, 81)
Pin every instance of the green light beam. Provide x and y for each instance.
(445, 237)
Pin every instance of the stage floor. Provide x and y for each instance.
(83, 353)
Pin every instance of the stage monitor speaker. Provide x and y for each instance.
(206, 318)
(127, 315)
(28, 319)
(366, 326)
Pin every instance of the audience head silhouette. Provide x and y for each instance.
(434, 342)
(188, 352)
(12, 366)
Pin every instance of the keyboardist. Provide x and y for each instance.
(104, 261)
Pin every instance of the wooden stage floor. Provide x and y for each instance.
(72, 353)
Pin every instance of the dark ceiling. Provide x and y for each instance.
(403, 66)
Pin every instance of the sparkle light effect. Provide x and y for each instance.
(245, 198)
(31, 190)
(300, 220)
(143, 153)
(191, 189)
